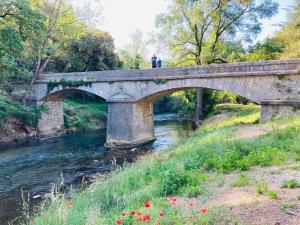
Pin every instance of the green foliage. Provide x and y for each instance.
(84, 115)
(291, 184)
(287, 206)
(11, 109)
(273, 194)
(261, 186)
(67, 84)
(18, 21)
(242, 180)
(93, 51)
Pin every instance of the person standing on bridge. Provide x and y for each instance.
(159, 62)
(153, 60)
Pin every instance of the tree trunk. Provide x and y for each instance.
(199, 109)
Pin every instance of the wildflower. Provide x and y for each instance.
(147, 204)
(161, 213)
(123, 213)
(204, 210)
(70, 203)
(146, 217)
(132, 213)
(191, 205)
(139, 214)
(119, 221)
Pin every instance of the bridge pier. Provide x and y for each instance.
(51, 122)
(278, 109)
(129, 124)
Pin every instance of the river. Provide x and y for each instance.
(35, 165)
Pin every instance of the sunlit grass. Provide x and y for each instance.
(182, 170)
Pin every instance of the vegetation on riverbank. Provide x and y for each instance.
(88, 115)
(17, 121)
(184, 170)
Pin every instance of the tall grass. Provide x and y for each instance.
(182, 170)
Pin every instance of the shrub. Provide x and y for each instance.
(273, 194)
(291, 183)
(261, 186)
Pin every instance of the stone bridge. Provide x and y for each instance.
(275, 85)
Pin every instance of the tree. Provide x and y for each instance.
(61, 26)
(133, 55)
(18, 20)
(197, 30)
(92, 52)
(290, 34)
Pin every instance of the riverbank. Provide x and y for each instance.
(19, 124)
(192, 170)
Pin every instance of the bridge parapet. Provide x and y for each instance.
(262, 68)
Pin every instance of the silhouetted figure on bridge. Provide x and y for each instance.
(159, 62)
(153, 60)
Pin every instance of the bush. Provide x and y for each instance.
(291, 184)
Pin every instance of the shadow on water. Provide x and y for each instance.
(34, 166)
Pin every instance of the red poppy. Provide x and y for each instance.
(119, 221)
(70, 203)
(161, 213)
(191, 205)
(147, 204)
(132, 213)
(146, 217)
(139, 213)
(123, 213)
(204, 210)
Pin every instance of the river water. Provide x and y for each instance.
(34, 166)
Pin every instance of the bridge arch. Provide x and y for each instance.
(246, 89)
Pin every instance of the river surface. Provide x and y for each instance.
(35, 165)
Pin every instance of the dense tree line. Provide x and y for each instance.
(38, 36)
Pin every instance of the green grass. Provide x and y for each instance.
(85, 116)
(12, 109)
(182, 170)
(291, 184)
(242, 180)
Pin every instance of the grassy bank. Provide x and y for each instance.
(80, 115)
(184, 170)
(17, 121)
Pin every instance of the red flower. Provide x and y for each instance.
(146, 217)
(191, 205)
(139, 213)
(204, 210)
(70, 203)
(147, 204)
(132, 213)
(119, 221)
(123, 213)
(161, 213)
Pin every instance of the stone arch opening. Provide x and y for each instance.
(70, 110)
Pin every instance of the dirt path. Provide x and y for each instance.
(243, 204)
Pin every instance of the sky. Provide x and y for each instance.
(121, 18)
